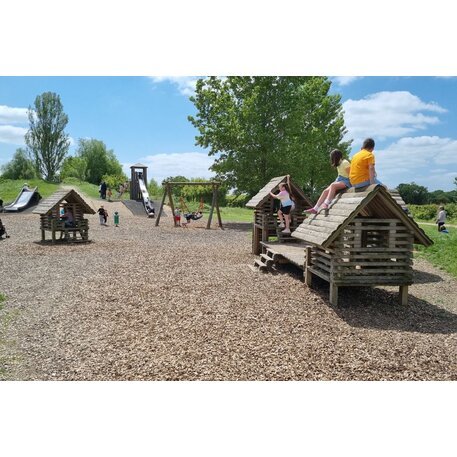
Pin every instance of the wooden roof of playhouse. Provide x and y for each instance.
(372, 201)
(70, 196)
(262, 196)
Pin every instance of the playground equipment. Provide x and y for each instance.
(25, 198)
(138, 188)
(50, 211)
(365, 238)
(266, 213)
(168, 186)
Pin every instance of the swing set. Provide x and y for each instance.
(168, 186)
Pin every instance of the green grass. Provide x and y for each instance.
(443, 253)
(9, 188)
(229, 214)
(91, 190)
(2, 299)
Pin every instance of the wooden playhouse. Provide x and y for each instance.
(365, 238)
(51, 210)
(266, 207)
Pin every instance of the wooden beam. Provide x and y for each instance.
(161, 207)
(403, 295)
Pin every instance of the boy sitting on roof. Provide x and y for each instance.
(363, 172)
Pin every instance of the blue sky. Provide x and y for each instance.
(144, 119)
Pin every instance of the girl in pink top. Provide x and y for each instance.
(285, 207)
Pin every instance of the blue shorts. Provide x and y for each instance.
(343, 179)
(367, 183)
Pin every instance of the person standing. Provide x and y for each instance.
(101, 215)
(362, 172)
(116, 219)
(103, 188)
(441, 219)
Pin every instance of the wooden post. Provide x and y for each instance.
(172, 205)
(255, 240)
(161, 206)
(333, 299)
(216, 188)
(403, 295)
(308, 274)
(213, 203)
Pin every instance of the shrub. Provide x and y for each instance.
(238, 201)
(429, 212)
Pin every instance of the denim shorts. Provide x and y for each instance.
(343, 179)
(367, 183)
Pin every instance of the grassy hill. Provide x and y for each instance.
(9, 188)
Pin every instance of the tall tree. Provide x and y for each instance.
(46, 139)
(413, 193)
(19, 167)
(259, 127)
(99, 160)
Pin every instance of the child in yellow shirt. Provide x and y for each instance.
(363, 171)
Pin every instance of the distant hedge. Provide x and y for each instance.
(429, 212)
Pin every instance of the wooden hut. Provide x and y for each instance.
(51, 210)
(266, 212)
(365, 238)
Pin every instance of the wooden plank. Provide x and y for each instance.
(403, 295)
(320, 273)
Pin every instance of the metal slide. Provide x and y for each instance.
(22, 201)
(148, 205)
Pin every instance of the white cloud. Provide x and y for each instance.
(188, 164)
(430, 161)
(185, 84)
(10, 115)
(345, 80)
(12, 135)
(388, 115)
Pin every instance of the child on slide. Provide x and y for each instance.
(343, 167)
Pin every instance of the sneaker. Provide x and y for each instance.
(286, 231)
(311, 211)
(281, 225)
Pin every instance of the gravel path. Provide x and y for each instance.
(165, 303)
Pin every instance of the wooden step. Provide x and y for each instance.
(260, 265)
(267, 260)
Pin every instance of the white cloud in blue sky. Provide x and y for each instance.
(428, 160)
(185, 84)
(9, 132)
(189, 164)
(345, 80)
(385, 115)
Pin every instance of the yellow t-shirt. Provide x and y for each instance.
(359, 167)
(342, 167)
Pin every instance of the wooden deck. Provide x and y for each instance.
(293, 252)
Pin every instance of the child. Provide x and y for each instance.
(105, 216)
(116, 219)
(3, 231)
(285, 206)
(109, 193)
(342, 182)
(363, 171)
(177, 217)
(101, 215)
(441, 219)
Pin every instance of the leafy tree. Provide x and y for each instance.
(19, 167)
(260, 127)
(154, 188)
(74, 167)
(413, 193)
(46, 139)
(99, 160)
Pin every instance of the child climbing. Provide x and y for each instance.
(342, 182)
(116, 219)
(286, 205)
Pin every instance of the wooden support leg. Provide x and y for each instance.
(256, 240)
(43, 235)
(403, 295)
(308, 275)
(333, 294)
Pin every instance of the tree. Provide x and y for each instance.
(46, 139)
(99, 160)
(413, 194)
(261, 127)
(19, 167)
(74, 167)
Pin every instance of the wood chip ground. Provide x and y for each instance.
(162, 303)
